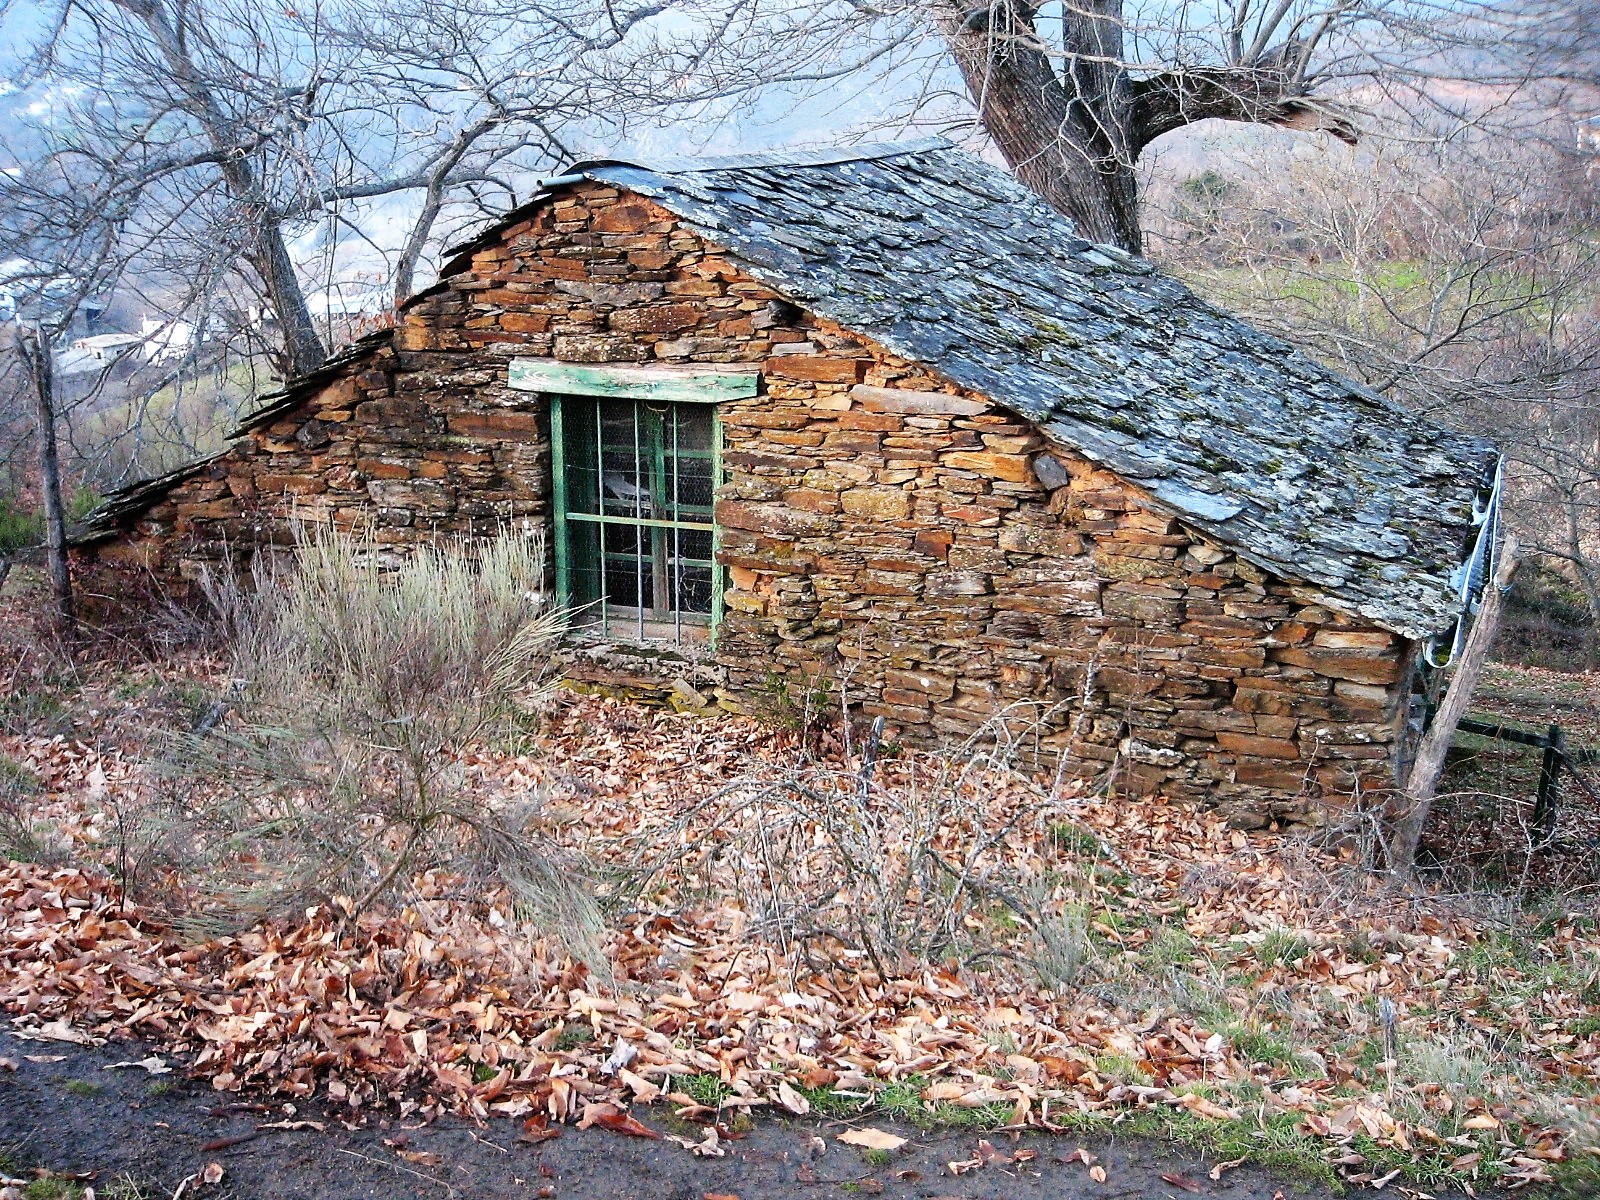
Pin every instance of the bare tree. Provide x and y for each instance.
(211, 134)
(34, 349)
(1074, 94)
(498, 89)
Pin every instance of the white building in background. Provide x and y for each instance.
(95, 353)
(165, 341)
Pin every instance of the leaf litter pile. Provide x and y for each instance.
(1050, 959)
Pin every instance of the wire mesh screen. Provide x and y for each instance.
(639, 483)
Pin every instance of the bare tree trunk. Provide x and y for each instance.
(302, 346)
(35, 348)
(1417, 801)
(267, 252)
(1066, 144)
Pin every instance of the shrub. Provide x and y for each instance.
(357, 687)
(23, 527)
(22, 836)
(19, 527)
(921, 859)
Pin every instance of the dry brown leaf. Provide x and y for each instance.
(871, 1139)
(537, 1128)
(1216, 1171)
(987, 1154)
(213, 1173)
(793, 1100)
(610, 1117)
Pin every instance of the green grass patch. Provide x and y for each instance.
(704, 1089)
(825, 1102)
(1277, 1145)
(1169, 946)
(574, 1035)
(1282, 948)
(1577, 1178)
(83, 1087)
(1074, 840)
(51, 1188)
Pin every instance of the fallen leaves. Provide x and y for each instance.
(609, 1116)
(792, 1100)
(435, 1007)
(537, 1128)
(872, 1139)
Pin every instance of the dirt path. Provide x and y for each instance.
(151, 1131)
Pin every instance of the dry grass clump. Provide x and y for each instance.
(920, 858)
(21, 837)
(332, 771)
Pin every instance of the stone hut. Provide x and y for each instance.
(880, 417)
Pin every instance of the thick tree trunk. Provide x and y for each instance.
(1417, 801)
(1074, 132)
(1068, 145)
(36, 354)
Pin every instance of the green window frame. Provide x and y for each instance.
(634, 484)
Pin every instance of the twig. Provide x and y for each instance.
(378, 1162)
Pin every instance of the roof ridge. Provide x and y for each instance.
(823, 156)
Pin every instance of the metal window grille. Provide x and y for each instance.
(634, 483)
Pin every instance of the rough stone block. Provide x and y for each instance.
(915, 403)
(499, 423)
(816, 367)
(1352, 665)
(594, 348)
(878, 503)
(1054, 540)
(660, 318)
(778, 520)
(1011, 467)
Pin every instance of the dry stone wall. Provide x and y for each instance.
(924, 546)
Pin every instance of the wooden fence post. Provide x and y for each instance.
(1417, 798)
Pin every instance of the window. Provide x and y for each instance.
(635, 543)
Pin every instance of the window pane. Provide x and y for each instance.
(582, 456)
(694, 486)
(693, 543)
(625, 459)
(639, 482)
(694, 589)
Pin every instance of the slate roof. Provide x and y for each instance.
(125, 505)
(952, 263)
